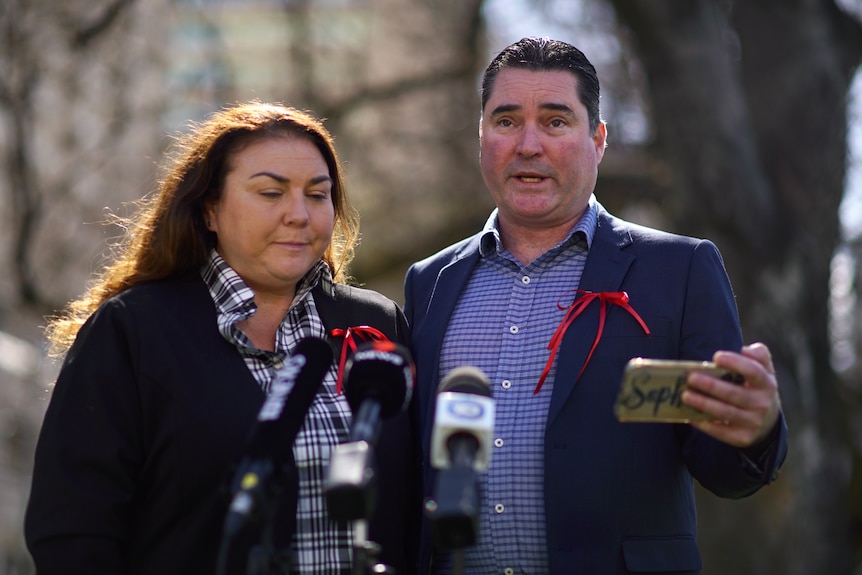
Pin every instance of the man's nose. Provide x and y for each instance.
(530, 141)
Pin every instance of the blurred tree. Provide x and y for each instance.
(79, 113)
(77, 106)
(403, 104)
(753, 126)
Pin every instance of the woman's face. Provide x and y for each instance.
(275, 216)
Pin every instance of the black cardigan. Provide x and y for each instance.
(149, 416)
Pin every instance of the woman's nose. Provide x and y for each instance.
(295, 210)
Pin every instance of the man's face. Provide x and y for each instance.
(537, 154)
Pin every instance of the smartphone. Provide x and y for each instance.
(652, 389)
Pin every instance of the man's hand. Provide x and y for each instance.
(743, 415)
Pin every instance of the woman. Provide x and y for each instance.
(241, 253)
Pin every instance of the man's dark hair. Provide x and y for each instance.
(544, 54)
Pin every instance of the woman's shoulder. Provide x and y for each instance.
(162, 291)
(153, 301)
(361, 296)
(350, 306)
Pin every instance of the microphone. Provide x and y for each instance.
(378, 384)
(269, 450)
(460, 447)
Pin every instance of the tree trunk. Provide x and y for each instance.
(753, 124)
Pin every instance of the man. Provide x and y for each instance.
(570, 488)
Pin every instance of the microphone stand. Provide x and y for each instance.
(350, 487)
(454, 512)
(378, 382)
(265, 558)
(268, 471)
(365, 552)
(458, 561)
(349, 496)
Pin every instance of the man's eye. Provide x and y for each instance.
(505, 122)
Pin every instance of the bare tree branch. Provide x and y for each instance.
(85, 33)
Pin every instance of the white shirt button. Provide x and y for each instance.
(506, 384)
(525, 280)
(499, 508)
(498, 442)
(514, 329)
(508, 571)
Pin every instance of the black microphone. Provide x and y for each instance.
(378, 384)
(460, 447)
(270, 447)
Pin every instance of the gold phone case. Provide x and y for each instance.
(652, 390)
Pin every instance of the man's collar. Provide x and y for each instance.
(490, 242)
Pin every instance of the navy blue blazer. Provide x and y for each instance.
(619, 497)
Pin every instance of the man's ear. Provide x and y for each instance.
(600, 138)
(480, 137)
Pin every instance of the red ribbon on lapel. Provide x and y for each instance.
(617, 298)
(364, 333)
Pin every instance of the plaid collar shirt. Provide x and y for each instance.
(320, 546)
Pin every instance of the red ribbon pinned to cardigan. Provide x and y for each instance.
(617, 298)
(364, 333)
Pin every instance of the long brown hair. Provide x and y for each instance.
(167, 237)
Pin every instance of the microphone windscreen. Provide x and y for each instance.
(464, 407)
(270, 446)
(466, 379)
(291, 394)
(382, 371)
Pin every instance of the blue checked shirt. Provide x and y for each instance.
(502, 325)
(320, 546)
